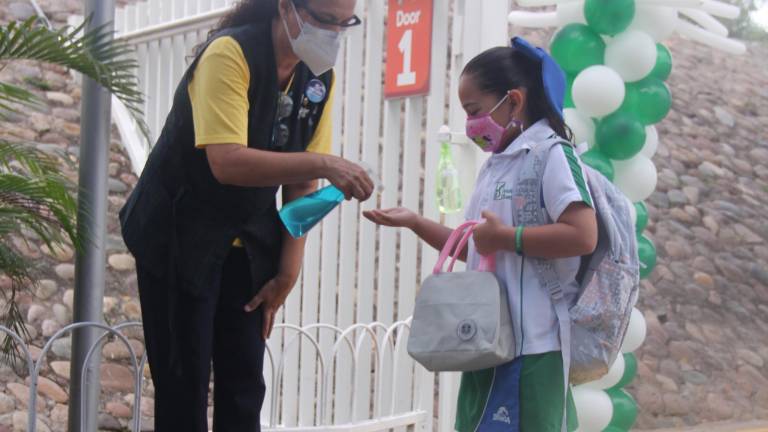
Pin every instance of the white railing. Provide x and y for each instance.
(354, 272)
(385, 348)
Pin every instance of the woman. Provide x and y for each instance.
(251, 114)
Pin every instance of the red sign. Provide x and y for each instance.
(409, 48)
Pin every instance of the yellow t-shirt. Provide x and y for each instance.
(218, 93)
(219, 96)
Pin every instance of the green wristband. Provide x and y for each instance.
(519, 240)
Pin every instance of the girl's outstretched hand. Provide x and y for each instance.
(399, 217)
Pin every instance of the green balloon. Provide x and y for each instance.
(630, 371)
(597, 160)
(647, 253)
(614, 429)
(642, 216)
(620, 136)
(647, 100)
(576, 47)
(568, 103)
(624, 410)
(663, 67)
(609, 17)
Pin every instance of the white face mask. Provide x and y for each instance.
(316, 47)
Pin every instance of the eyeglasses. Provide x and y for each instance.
(326, 19)
(280, 131)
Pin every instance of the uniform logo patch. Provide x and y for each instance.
(502, 415)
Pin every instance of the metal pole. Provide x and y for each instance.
(90, 262)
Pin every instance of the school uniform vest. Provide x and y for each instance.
(180, 221)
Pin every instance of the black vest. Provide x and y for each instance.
(179, 218)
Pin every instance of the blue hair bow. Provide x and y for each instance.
(552, 76)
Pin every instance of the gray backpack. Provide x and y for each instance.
(591, 331)
(461, 320)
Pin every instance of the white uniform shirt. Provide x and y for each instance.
(564, 183)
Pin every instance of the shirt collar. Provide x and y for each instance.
(538, 132)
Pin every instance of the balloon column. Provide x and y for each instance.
(616, 65)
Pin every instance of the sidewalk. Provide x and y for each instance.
(755, 426)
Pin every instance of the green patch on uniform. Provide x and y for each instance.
(577, 173)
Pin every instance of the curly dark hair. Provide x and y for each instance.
(243, 13)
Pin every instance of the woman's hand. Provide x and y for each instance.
(270, 298)
(488, 236)
(399, 217)
(350, 178)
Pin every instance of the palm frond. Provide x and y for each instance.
(92, 53)
(11, 95)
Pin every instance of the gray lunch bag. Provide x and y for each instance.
(461, 320)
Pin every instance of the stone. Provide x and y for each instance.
(36, 313)
(714, 298)
(148, 406)
(116, 377)
(119, 410)
(695, 377)
(114, 169)
(7, 404)
(677, 197)
(724, 116)
(719, 407)
(116, 186)
(667, 383)
(46, 288)
(21, 11)
(122, 262)
(65, 271)
(26, 248)
(132, 310)
(747, 235)
(750, 357)
(52, 390)
(61, 253)
(61, 313)
(108, 305)
(61, 98)
(109, 423)
(675, 404)
(21, 393)
(116, 350)
(50, 327)
(69, 298)
(60, 414)
(704, 280)
(129, 178)
(21, 423)
(62, 347)
(709, 169)
(759, 154)
(61, 368)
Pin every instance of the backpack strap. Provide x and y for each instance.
(533, 212)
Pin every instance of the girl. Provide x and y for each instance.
(513, 97)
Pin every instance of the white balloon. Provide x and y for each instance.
(568, 13)
(698, 34)
(651, 142)
(581, 125)
(636, 332)
(612, 377)
(632, 54)
(593, 408)
(635, 177)
(658, 21)
(598, 91)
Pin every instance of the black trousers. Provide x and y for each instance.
(211, 327)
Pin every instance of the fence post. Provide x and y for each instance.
(91, 222)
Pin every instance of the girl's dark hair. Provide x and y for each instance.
(244, 13)
(501, 69)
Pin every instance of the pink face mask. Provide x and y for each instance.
(484, 131)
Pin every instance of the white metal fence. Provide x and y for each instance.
(354, 272)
